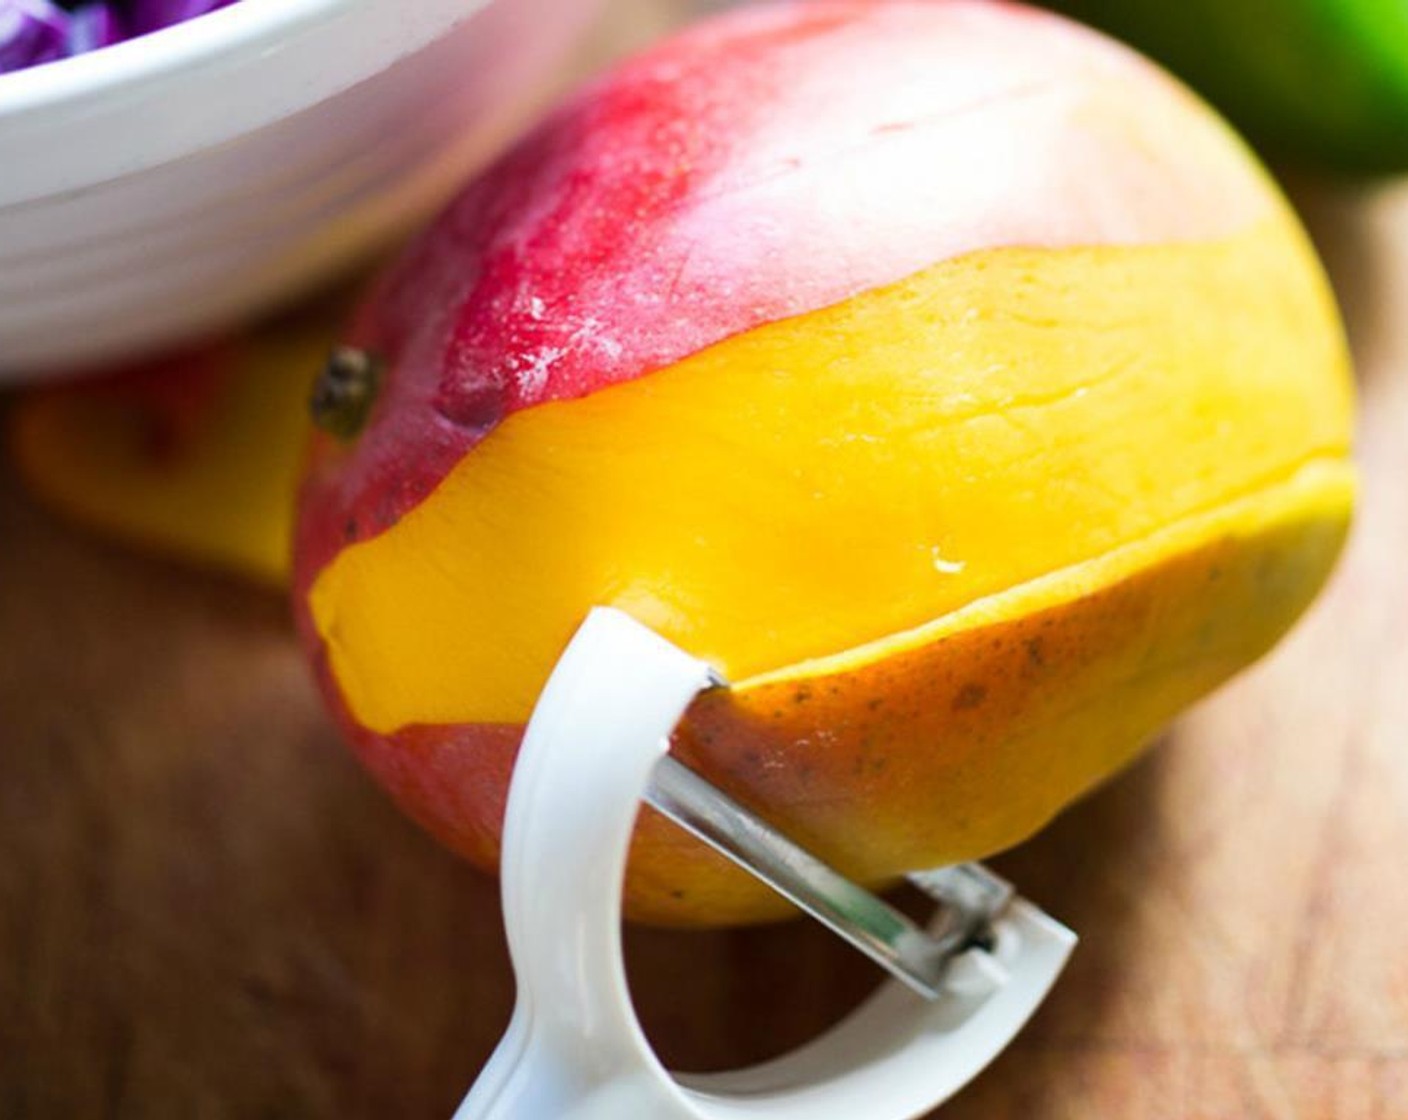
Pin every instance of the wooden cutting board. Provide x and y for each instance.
(207, 911)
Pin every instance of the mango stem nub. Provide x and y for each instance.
(345, 391)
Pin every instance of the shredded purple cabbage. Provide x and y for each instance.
(92, 27)
(37, 31)
(156, 14)
(31, 32)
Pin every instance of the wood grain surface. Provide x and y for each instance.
(207, 911)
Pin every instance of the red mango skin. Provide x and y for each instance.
(451, 780)
(736, 175)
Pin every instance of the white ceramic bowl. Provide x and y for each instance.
(168, 186)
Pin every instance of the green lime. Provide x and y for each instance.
(1312, 81)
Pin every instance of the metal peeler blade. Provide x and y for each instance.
(971, 895)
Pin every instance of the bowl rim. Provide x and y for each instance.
(73, 124)
(237, 25)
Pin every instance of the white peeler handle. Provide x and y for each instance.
(574, 1050)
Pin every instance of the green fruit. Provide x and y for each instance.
(1320, 82)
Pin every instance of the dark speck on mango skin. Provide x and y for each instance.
(969, 696)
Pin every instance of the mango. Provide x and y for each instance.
(946, 374)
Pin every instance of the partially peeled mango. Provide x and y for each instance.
(946, 374)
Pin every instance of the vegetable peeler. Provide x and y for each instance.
(595, 748)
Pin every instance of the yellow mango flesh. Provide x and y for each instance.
(823, 483)
(223, 495)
